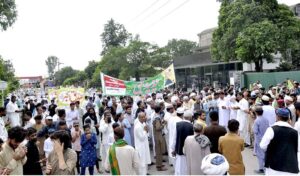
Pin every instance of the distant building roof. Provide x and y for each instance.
(210, 30)
(196, 60)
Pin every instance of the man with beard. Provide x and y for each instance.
(13, 155)
(33, 164)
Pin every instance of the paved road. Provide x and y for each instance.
(250, 162)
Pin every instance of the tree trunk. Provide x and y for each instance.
(259, 65)
(137, 76)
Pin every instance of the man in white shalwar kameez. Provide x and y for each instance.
(13, 111)
(142, 143)
(242, 118)
(172, 132)
(168, 115)
(224, 110)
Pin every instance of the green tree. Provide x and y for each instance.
(114, 35)
(241, 34)
(91, 68)
(51, 63)
(7, 74)
(180, 47)
(78, 80)
(63, 74)
(8, 13)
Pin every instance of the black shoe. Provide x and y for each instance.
(260, 171)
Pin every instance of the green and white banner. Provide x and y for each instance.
(117, 87)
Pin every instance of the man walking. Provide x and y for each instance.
(281, 144)
(259, 128)
(231, 146)
(183, 130)
(158, 126)
(214, 131)
(142, 143)
(122, 159)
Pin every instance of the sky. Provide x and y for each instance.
(71, 29)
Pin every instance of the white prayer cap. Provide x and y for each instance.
(274, 88)
(159, 101)
(265, 98)
(214, 164)
(168, 105)
(148, 99)
(185, 98)
(256, 91)
(174, 99)
(109, 104)
(180, 110)
(188, 113)
(49, 118)
(253, 93)
(233, 97)
(288, 98)
(192, 94)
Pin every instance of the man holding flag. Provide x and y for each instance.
(122, 159)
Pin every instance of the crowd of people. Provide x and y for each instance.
(196, 132)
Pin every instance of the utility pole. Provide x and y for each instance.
(58, 64)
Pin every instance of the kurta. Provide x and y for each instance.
(142, 146)
(172, 135)
(231, 146)
(32, 166)
(269, 113)
(194, 154)
(13, 116)
(297, 127)
(70, 157)
(88, 154)
(3, 131)
(242, 117)
(7, 161)
(128, 160)
(233, 112)
(260, 126)
(127, 127)
(223, 113)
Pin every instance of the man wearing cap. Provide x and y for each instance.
(297, 127)
(141, 133)
(259, 128)
(269, 111)
(242, 117)
(290, 105)
(13, 111)
(224, 110)
(183, 130)
(168, 115)
(49, 127)
(72, 115)
(172, 131)
(186, 104)
(281, 144)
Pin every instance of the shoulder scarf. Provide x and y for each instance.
(115, 170)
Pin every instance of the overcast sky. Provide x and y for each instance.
(70, 29)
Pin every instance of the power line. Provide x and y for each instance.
(153, 12)
(166, 15)
(144, 11)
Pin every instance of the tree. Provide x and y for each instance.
(241, 34)
(78, 80)
(51, 63)
(7, 74)
(8, 13)
(63, 74)
(180, 47)
(114, 35)
(91, 68)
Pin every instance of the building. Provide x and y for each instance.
(31, 81)
(198, 70)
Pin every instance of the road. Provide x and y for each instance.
(250, 163)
